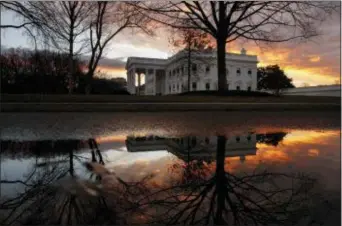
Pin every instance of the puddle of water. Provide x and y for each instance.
(270, 171)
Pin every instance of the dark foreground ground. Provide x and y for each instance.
(109, 103)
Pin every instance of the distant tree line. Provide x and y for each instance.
(46, 72)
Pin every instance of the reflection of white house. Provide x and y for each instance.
(194, 147)
(169, 76)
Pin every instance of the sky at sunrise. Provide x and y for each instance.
(314, 62)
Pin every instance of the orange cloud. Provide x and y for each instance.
(314, 58)
(112, 72)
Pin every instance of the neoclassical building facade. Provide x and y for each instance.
(169, 76)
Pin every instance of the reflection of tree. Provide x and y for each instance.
(257, 198)
(271, 138)
(53, 193)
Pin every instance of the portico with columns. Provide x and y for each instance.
(152, 71)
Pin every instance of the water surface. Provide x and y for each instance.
(256, 168)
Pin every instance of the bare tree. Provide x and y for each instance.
(61, 24)
(193, 41)
(227, 21)
(260, 197)
(108, 19)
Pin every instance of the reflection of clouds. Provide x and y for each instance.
(313, 152)
(308, 151)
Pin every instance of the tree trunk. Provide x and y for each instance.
(88, 82)
(71, 65)
(71, 163)
(71, 51)
(221, 65)
(220, 180)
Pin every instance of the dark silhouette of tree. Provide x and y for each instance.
(108, 19)
(273, 78)
(60, 24)
(227, 21)
(53, 193)
(77, 27)
(46, 72)
(255, 198)
(25, 71)
(271, 138)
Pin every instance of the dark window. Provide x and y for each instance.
(207, 68)
(249, 138)
(177, 70)
(193, 141)
(194, 86)
(249, 88)
(173, 87)
(207, 86)
(238, 71)
(169, 88)
(207, 140)
(177, 87)
(249, 72)
(238, 139)
(228, 86)
(150, 71)
(194, 67)
(238, 88)
(169, 73)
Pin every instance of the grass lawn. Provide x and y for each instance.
(197, 97)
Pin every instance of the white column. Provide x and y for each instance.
(133, 81)
(154, 83)
(139, 82)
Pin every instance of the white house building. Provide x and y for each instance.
(169, 76)
(240, 145)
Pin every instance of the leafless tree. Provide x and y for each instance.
(78, 27)
(108, 19)
(260, 197)
(53, 194)
(193, 41)
(61, 24)
(227, 21)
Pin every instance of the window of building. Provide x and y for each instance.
(249, 137)
(194, 86)
(237, 87)
(177, 87)
(207, 140)
(237, 139)
(249, 72)
(207, 69)
(249, 88)
(170, 74)
(150, 71)
(194, 67)
(238, 71)
(173, 87)
(207, 86)
(170, 88)
(228, 86)
(177, 70)
(193, 141)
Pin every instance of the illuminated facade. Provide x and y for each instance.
(169, 76)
